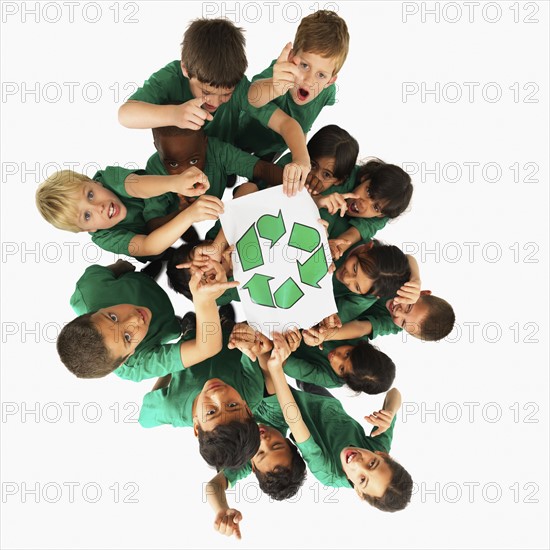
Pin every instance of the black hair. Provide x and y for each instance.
(82, 350)
(178, 279)
(230, 445)
(334, 142)
(389, 184)
(373, 371)
(386, 266)
(282, 482)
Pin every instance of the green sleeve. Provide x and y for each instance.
(380, 319)
(154, 362)
(284, 160)
(114, 177)
(318, 464)
(368, 227)
(164, 86)
(230, 295)
(157, 207)
(300, 369)
(233, 160)
(233, 476)
(114, 240)
(351, 306)
(384, 440)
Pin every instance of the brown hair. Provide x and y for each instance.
(213, 52)
(323, 33)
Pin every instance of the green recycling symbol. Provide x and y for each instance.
(302, 237)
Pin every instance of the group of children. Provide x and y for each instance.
(224, 379)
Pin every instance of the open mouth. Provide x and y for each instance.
(352, 207)
(113, 210)
(350, 455)
(302, 94)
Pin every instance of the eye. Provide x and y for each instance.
(322, 75)
(327, 175)
(372, 463)
(90, 195)
(362, 480)
(173, 164)
(128, 337)
(377, 208)
(113, 317)
(341, 371)
(355, 268)
(210, 411)
(87, 216)
(304, 65)
(346, 354)
(232, 405)
(313, 164)
(358, 289)
(192, 162)
(408, 308)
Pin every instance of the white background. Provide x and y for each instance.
(446, 454)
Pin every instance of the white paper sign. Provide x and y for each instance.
(281, 259)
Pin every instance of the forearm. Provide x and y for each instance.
(146, 187)
(268, 381)
(351, 235)
(208, 339)
(155, 223)
(261, 92)
(215, 492)
(293, 135)
(138, 114)
(348, 331)
(268, 172)
(392, 402)
(415, 269)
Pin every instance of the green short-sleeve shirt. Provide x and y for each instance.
(169, 85)
(350, 305)
(310, 364)
(99, 288)
(117, 239)
(254, 134)
(173, 405)
(380, 318)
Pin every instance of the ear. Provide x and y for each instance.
(369, 245)
(184, 70)
(253, 465)
(195, 426)
(358, 492)
(331, 81)
(425, 292)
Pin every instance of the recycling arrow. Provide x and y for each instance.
(248, 248)
(258, 287)
(271, 227)
(304, 237)
(314, 268)
(287, 294)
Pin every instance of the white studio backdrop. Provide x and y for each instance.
(457, 93)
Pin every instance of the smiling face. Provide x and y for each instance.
(218, 403)
(181, 151)
(98, 208)
(123, 327)
(368, 471)
(274, 451)
(408, 316)
(352, 275)
(340, 360)
(315, 75)
(364, 207)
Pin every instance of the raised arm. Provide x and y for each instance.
(227, 519)
(191, 183)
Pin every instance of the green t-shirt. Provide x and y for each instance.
(310, 364)
(349, 304)
(380, 318)
(222, 160)
(254, 134)
(99, 288)
(170, 85)
(173, 405)
(117, 239)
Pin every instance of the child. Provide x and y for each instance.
(217, 398)
(111, 205)
(210, 87)
(382, 192)
(126, 321)
(335, 446)
(300, 82)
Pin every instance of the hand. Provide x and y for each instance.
(192, 183)
(294, 176)
(408, 293)
(190, 115)
(184, 202)
(314, 185)
(249, 341)
(314, 337)
(206, 207)
(293, 338)
(382, 419)
(279, 354)
(210, 285)
(285, 73)
(335, 202)
(338, 247)
(330, 322)
(227, 522)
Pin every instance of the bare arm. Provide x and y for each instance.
(227, 519)
(191, 183)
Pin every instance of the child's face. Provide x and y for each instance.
(352, 275)
(315, 75)
(323, 169)
(368, 471)
(340, 360)
(213, 97)
(364, 207)
(273, 451)
(408, 316)
(123, 327)
(98, 208)
(218, 403)
(178, 153)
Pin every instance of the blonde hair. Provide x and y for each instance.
(57, 197)
(323, 33)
